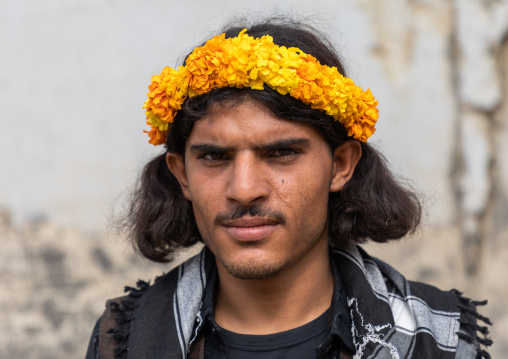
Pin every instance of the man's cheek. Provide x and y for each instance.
(284, 194)
(198, 215)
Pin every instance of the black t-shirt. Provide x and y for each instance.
(300, 342)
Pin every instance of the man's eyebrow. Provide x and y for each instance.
(208, 147)
(289, 142)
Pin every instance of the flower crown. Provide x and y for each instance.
(244, 61)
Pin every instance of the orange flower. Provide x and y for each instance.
(244, 61)
(157, 137)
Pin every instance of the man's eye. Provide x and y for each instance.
(213, 156)
(283, 152)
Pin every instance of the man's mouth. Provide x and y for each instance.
(250, 228)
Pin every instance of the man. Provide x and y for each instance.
(266, 162)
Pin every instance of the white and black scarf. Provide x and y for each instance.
(392, 317)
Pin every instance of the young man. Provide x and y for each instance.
(266, 162)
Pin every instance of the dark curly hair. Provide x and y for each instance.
(372, 205)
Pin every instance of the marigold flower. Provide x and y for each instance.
(244, 61)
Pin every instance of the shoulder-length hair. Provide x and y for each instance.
(373, 204)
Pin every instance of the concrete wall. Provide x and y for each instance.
(73, 78)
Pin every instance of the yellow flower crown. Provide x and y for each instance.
(244, 61)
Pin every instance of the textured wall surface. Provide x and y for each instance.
(73, 79)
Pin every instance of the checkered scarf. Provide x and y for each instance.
(392, 317)
(396, 318)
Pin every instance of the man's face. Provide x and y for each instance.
(259, 188)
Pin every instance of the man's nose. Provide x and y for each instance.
(247, 183)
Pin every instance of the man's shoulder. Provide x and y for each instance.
(163, 306)
(424, 316)
(181, 283)
(194, 267)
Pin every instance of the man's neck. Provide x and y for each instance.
(295, 296)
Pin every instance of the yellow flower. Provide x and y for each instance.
(244, 61)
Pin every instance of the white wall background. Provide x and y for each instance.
(74, 75)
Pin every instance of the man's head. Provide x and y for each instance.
(335, 186)
(259, 186)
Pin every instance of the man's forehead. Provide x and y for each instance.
(247, 124)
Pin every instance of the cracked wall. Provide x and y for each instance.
(480, 32)
(467, 247)
(54, 283)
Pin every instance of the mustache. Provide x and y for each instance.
(251, 211)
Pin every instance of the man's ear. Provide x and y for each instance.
(176, 165)
(345, 159)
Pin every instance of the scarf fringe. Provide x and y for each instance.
(125, 314)
(468, 306)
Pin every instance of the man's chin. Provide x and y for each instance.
(251, 271)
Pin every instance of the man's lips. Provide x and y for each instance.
(250, 229)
